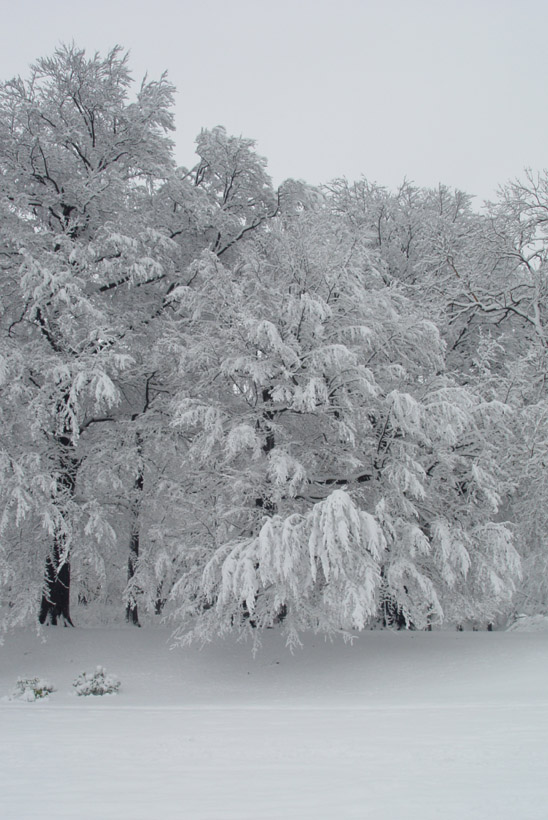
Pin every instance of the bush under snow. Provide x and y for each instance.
(96, 683)
(31, 689)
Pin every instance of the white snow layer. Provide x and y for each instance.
(418, 726)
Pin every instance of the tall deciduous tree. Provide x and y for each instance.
(79, 164)
(341, 474)
(519, 237)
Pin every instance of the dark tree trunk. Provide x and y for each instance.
(55, 604)
(132, 613)
(392, 616)
(265, 501)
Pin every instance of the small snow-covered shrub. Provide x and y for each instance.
(31, 689)
(96, 683)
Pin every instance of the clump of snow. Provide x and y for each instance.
(529, 623)
(96, 683)
(31, 689)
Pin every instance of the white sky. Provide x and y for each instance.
(432, 90)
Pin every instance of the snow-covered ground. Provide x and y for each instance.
(414, 726)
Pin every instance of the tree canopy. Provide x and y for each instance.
(239, 407)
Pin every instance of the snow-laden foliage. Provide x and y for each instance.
(323, 567)
(306, 380)
(240, 407)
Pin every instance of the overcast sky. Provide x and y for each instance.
(435, 91)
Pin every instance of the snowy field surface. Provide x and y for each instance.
(414, 726)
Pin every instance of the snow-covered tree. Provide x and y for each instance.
(436, 248)
(519, 237)
(222, 200)
(79, 164)
(312, 407)
(337, 474)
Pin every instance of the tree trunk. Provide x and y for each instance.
(55, 604)
(132, 614)
(265, 501)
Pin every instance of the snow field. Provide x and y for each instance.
(409, 725)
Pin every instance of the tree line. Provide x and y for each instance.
(237, 406)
